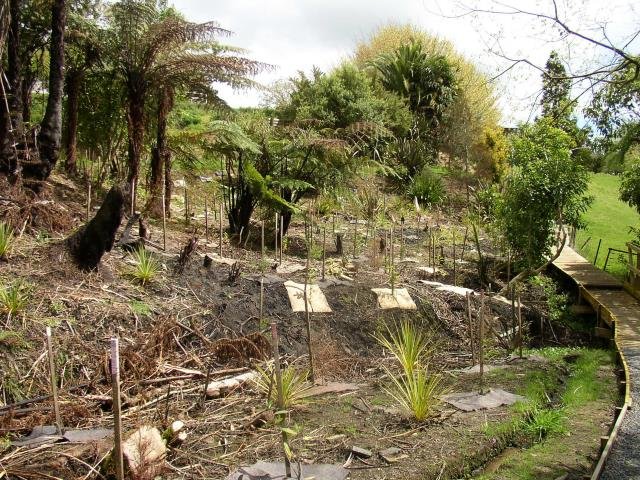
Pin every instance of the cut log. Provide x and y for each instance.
(218, 388)
(92, 240)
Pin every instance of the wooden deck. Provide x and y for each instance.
(616, 309)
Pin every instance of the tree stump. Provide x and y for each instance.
(89, 243)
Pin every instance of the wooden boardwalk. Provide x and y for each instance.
(619, 312)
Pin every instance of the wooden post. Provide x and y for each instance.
(280, 400)
(324, 247)
(481, 340)
(206, 219)
(519, 327)
(472, 342)
(88, 200)
(595, 259)
(606, 261)
(54, 383)
(117, 420)
(220, 219)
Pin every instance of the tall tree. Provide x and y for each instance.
(51, 126)
(556, 90)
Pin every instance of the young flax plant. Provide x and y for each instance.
(6, 240)
(146, 266)
(417, 390)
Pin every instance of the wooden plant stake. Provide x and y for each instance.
(280, 400)
(206, 219)
(334, 223)
(88, 199)
(220, 246)
(262, 240)
(402, 239)
(509, 267)
(324, 247)
(355, 237)
(275, 246)
(519, 327)
(164, 220)
(186, 204)
(281, 236)
(261, 300)
(307, 316)
(481, 340)
(464, 242)
(240, 236)
(117, 420)
(393, 266)
(472, 341)
(454, 259)
(54, 383)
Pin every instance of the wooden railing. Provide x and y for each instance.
(633, 276)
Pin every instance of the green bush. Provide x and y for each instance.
(427, 187)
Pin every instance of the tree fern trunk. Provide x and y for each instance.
(159, 155)
(51, 127)
(74, 80)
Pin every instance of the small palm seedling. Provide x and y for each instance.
(418, 393)
(407, 344)
(6, 240)
(295, 384)
(14, 298)
(146, 266)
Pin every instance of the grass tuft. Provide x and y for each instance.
(6, 240)
(14, 298)
(295, 383)
(146, 266)
(407, 344)
(418, 393)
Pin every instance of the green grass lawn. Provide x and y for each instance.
(608, 219)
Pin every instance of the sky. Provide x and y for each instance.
(296, 35)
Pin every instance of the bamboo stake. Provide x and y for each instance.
(206, 219)
(519, 327)
(164, 220)
(280, 400)
(220, 219)
(54, 383)
(117, 420)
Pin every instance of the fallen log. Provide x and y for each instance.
(217, 388)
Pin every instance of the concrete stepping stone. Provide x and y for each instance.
(276, 471)
(446, 288)
(471, 401)
(400, 298)
(316, 301)
(287, 267)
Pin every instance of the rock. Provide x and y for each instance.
(361, 452)
(392, 455)
(144, 451)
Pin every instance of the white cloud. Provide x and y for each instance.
(298, 34)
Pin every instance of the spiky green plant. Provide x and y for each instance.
(146, 266)
(6, 240)
(14, 298)
(407, 344)
(417, 393)
(295, 384)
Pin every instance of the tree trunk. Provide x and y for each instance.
(51, 126)
(11, 118)
(92, 240)
(135, 127)
(159, 155)
(74, 80)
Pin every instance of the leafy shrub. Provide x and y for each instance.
(14, 298)
(146, 266)
(295, 384)
(6, 240)
(427, 187)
